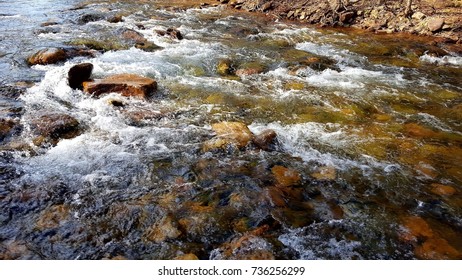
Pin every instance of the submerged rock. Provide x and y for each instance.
(250, 68)
(286, 177)
(436, 249)
(129, 85)
(229, 134)
(6, 126)
(246, 247)
(224, 67)
(54, 127)
(170, 32)
(79, 74)
(47, 56)
(442, 190)
(265, 139)
(163, 230)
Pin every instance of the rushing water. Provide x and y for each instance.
(373, 129)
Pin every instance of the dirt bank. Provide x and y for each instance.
(442, 19)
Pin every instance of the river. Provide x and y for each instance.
(367, 162)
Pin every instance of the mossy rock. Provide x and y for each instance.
(99, 45)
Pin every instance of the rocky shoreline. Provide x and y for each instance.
(440, 19)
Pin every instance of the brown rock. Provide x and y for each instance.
(115, 19)
(235, 133)
(415, 228)
(247, 247)
(47, 56)
(163, 230)
(347, 16)
(442, 190)
(132, 35)
(53, 217)
(265, 139)
(416, 130)
(125, 84)
(435, 24)
(170, 32)
(325, 173)
(56, 126)
(436, 249)
(5, 127)
(78, 74)
(187, 257)
(286, 177)
(224, 67)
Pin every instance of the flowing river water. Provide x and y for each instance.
(367, 164)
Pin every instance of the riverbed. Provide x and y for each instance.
(366, 164)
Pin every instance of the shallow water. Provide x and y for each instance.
(371, 124)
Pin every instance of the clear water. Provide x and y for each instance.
(145, 189)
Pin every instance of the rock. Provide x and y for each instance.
(125, 84)
(416, 130)
(147, 46)
(435, 24)
(250, 68)
(133, 36)
(56, 126)
(247, 247)
(415, 228)
(286, 177)
(187, 257)
(78, 74)
(48, 23)
(52, 217)
(233, 132)
(6, 126)
(436, 249)
(347, 16)
(265, 7)
(325, 173)
(170, 32)
(418, 15)
(115, 19)
(265, 139)
(47, 56)
(163, 230)
(90, 18)
(224, 67)
(442, 190)
(100, 45)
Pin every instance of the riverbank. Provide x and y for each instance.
(440, 19)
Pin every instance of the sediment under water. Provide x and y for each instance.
(367, 162)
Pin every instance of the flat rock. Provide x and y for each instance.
(129, 85)
(435, 24)
(47, 56)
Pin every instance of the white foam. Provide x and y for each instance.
(445, 60)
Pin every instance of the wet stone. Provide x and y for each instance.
(163, 230)
(128, 85)
(78, 74)
(415, 228)
(286, 177)
(442, 190)
(265, 139)
(56, 126)
(325, 173)
(53, 217)
(437, 249)
(247, 247)
(47, 56)
(229, 133)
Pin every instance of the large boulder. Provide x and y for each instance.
(47, 56)
(79, 74)
(125, 84)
